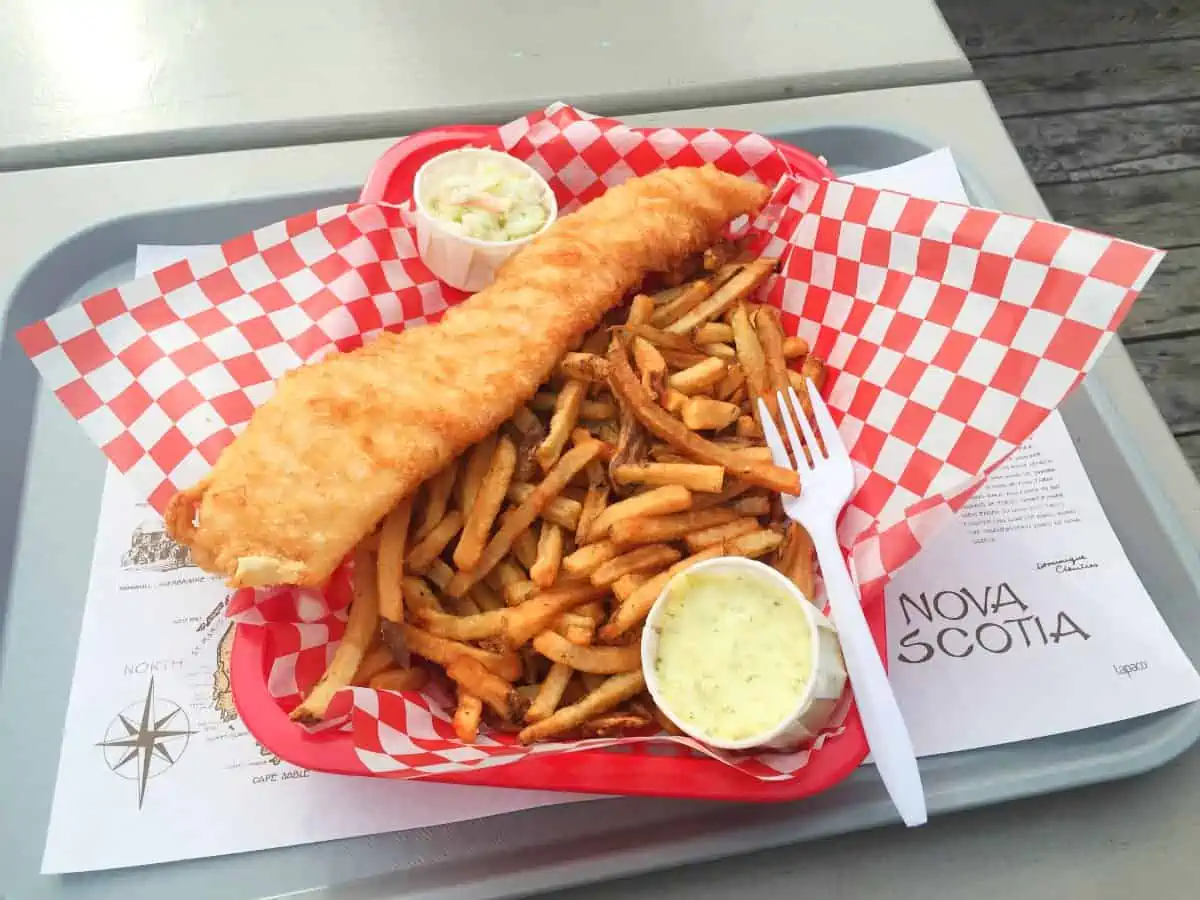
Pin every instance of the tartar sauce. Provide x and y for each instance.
(735, 655)
(489, 203)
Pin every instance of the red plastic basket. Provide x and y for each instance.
(598, 771)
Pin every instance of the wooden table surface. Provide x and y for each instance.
(1102, 99)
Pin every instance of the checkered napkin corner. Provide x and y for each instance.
(581, 155)
(411, 735)
(950, 332)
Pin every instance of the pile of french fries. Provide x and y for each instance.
(525, 571)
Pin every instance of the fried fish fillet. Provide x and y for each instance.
(343, 440)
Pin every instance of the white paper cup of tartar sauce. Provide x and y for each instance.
(474, 209)
(737, 657)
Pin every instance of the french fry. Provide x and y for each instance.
(614, 724)
(664, 340)
(683, 359)
(562, 511)
(478, 460)
(518, 592)
(796, 559)
(612, 693)
(420, 597)
(667, 499)
(462, 606)
(504, 574)
(754, 454)
(536, 614)
(599, 410)
(463, 628)
(474, 678)
(634, 610)
(713, 333)
(360, 629)
(700, 377)
(650, 366)
(466, 717)
(794, 347)
(399, 680)
(674, 401)
(721, 351)
(667, 294)
(733, 489)
(706, 414)
(488, 500)
(531, 432)
(525, 421)
(580, 633)
(752, 359)
(594, 501)
(430, 547)
(550, 693)
(376, 660)
(754, 544)
(718, 534)
(590, 681)
(525, 547)
(584, 367)
(443, 650)
(737, 288)
(544, 571)
(437, 496)
(390, 563)
(650, 557)
(569, 465)
(624, 586)
(684, 302)
(485, 598)
(660, 423)
(813, 368)
(654, 529)
(596, 660)
(566, 414)
(694, 477)
(587, 559)
(641, 309)
(582, 436)
(771, 338)
(747, 427)
(752, 506)
(439, 573)
(728, 386)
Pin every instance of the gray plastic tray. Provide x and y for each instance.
(48, 466)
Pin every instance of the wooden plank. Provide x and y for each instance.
(1190, 445)
(990, 28)
(1170, 302)
(1162, 209)
(1071, 80)
(1108, 143)
(1168, 366)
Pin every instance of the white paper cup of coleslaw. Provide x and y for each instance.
(737, 657)
(465, 254)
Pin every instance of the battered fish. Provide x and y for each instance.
(343, 440)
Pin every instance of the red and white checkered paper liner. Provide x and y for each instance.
(950, 334)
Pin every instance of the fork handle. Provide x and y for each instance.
(887, 735)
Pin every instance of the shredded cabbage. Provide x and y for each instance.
(490, 204)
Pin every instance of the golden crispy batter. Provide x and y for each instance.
(346, 438)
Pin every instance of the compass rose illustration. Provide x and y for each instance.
(146, 739)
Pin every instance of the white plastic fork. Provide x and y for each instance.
(826, 483)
